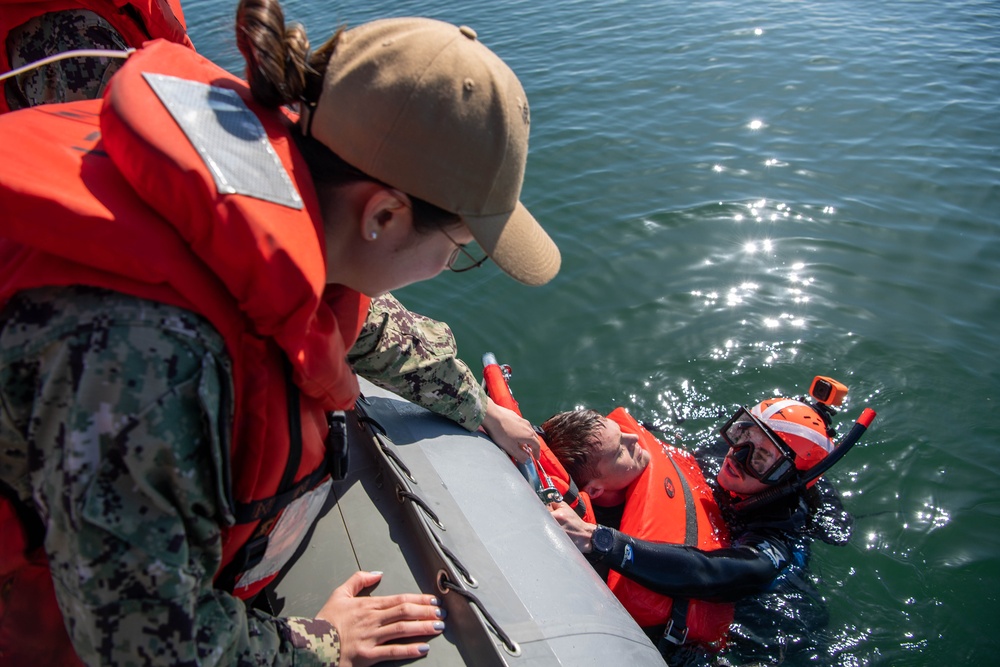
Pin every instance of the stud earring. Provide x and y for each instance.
(373, 236)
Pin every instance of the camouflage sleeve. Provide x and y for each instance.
(115, 403)
(82, 78)
(415, 357)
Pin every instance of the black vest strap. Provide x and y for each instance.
(265, 509)
(677, 628)
(573, 499)
(31, 523)
(690, 515)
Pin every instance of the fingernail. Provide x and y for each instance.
(377, 573)
(435, 602)
(423, 648)
(441, 613)
(439, 625)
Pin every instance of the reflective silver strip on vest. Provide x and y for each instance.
(229, 138)
(284, 539)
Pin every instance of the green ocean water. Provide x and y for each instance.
(747, 195)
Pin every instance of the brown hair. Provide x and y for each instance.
(573, 436)
(281, 70)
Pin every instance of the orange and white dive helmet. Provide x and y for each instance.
(776, 439)
(780, 436)
(800, 433)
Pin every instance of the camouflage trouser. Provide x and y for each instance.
(65, 80)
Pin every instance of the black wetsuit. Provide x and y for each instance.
(757, 556)
(769, 554)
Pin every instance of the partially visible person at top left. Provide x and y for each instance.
(397, 349)
(183, 272)
(31, 30)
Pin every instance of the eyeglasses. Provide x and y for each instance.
(745, 433)
(461, 259)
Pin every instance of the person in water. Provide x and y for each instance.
(170, 351)
(770, 504)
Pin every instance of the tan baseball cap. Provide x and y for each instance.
(423, 106)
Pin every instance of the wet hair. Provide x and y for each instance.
(573, 437)
(282, 70)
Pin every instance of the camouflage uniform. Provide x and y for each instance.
(107, 406)
(67, 80)
(414, 356)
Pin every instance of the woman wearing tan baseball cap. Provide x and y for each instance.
(416, 138)
(409, 126)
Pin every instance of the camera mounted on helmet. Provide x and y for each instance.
(828, 395)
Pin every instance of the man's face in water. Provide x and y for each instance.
(620, 461)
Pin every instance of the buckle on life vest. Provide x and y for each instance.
(336, 444)
(675, 638)
(253, 552)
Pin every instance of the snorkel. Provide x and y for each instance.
(828, 393)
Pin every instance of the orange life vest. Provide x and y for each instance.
(671, 503)
(113, 194)
(137, 21)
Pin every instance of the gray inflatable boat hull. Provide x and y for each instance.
(444, 511)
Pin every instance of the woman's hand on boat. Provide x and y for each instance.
(370, 625)
(578, 530)
(511, 431)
